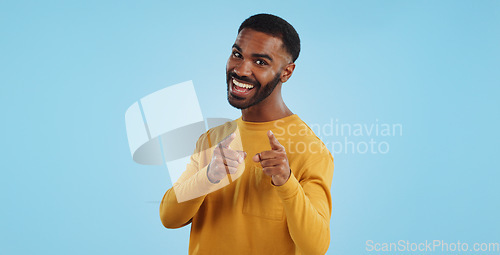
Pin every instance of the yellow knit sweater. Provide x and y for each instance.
(247, 214)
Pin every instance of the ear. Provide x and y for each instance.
(287, 72)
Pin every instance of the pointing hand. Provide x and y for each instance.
(274, 162)
(224, 160)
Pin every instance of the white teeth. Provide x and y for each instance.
(242, 85)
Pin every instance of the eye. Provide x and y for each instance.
(236, 54)
(260, 62)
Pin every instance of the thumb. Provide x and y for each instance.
(242, 155)
(256, 157)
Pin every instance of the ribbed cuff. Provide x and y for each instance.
(289, 189)
(206, 184)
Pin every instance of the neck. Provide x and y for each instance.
(271, 108)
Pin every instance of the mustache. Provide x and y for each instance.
(244, 78)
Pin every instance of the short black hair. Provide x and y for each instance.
(275, 26)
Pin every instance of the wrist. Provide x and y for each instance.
(281, 179)
(210, 178)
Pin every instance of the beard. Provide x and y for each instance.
(261, 93)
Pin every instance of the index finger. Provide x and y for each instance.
(275, 144)
(225, 143)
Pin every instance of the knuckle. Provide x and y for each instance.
(232, 154)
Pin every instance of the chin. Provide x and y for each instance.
(239, 104)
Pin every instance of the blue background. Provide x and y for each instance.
(69, 70)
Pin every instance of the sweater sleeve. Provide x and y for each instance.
(308, 206)
(175, 214)
(181, 202)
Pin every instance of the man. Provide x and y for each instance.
(271, 195)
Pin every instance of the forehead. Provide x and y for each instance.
(255, 42)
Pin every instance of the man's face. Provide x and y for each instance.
(254, 68)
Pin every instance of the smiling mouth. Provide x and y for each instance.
(242, 85)
(240, 89)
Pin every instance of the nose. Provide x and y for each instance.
(243, 68)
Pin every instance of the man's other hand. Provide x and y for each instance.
(224, 160)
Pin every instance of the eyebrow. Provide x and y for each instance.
(255, 55)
